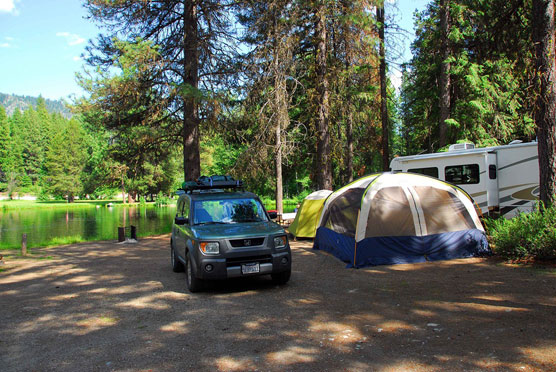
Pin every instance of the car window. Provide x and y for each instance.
(179, 209)
(228, 211)
(185, 210)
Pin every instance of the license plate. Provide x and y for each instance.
(250, 268)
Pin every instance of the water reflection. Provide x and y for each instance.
(88, 223)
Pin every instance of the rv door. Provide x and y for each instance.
(491, 168)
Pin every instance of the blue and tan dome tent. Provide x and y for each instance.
(394, 218)
(307, 217)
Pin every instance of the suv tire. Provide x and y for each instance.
(282, 277)
(194, 284)
(177, 266)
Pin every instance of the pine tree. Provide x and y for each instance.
(193, 45)
(5, 145)
(65, 161)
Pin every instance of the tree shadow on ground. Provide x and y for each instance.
(102, 306)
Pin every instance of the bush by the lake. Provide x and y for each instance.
(528, 235)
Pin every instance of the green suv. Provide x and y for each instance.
(220, 235)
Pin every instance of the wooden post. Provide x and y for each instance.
(24, 245)
(134, 232)
(121, 234)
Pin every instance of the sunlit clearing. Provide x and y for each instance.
(423, 313)
(228, 363)
(496, 298)
(302, 302)
(97, 323)
(48, 272)
(253, 325)
(395, 326)
(176, 327)
(124, 289)
(471, 306)
(544, 355)
(82, 280)
(336, 333)
(157, 301)
(293, 355)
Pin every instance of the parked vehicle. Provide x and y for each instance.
(221, 235)
(503, 180)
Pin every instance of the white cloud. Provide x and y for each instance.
(72, 39)
(8, 6)
(7, 42)
(77, 58)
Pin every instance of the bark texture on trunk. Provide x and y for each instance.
(324, 169)
(278, 159)
(349, 155)
(445, 81)
(383, 92)
(191, 157)
(545, 110)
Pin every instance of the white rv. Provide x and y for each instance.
(503, 180)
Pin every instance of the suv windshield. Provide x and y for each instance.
(228, 211)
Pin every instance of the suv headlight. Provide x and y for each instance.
(280, 241)
(209, 247)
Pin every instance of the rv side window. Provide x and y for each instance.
(462, 174)
(432, 171)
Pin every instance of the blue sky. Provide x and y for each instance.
(41, 42)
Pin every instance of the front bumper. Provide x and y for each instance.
(223, 268)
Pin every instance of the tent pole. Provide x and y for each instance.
(356, 224)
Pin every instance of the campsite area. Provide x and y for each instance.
(119, 307)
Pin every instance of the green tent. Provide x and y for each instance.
(307, 218)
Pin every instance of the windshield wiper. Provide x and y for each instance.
(212, 223)
(251, 220)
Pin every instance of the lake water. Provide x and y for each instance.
(51, 226)
(45, 226)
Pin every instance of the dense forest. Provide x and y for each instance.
(288, 95)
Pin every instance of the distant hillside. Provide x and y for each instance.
(12, 102)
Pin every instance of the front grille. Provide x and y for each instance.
(237, 261)
(247, 242)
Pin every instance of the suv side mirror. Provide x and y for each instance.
(180, 220)
(273, 215)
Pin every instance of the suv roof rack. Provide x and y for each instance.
(211, 183)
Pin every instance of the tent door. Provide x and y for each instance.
(416, 211)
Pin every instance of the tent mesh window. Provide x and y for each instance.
(341, 215)
(390, 214)
(443, 211)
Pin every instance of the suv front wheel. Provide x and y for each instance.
(177, 266)
(194, 284)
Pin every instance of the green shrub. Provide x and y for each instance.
(43, 195)
(142, 201)
(162, 200)
(528, 235)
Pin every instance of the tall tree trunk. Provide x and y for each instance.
(444, 73)
(279, 186)
(383, 93)
(191, 157)
(347, 105)
(324, 168)
(349, 140)
(545, 110)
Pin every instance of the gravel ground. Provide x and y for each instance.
(119, 307)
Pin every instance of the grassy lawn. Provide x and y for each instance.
(30, 204)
